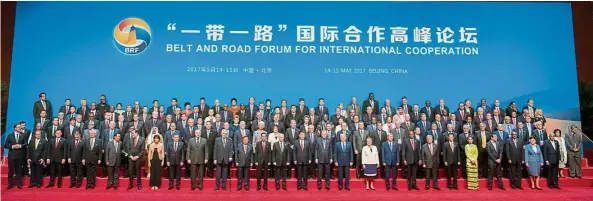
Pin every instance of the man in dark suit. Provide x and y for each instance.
(452, 159)
(430, 157)
(56, 158)
(74, 153)
(428, 111)
(371, 102)
(411, 157)
(243, 163)
(154, 121)
(494, 151)
(343, 157)
(171, 109)
(113, 152)
(92, 155)
(16, 143)
(281, 160)
(302, 109)
(210, 135)
(302, 158)
(323, 158)
(134, 151)
(390, 158)
(482, 138)
(551, 151)
(197, 155)
(515, 154)
(35, 158)
(263, 159)
(223, 155)
(225, 114)
(66, 107)
(43, 119)
(42, 105)
(174, 158)
(83, 110)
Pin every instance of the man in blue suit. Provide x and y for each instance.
(343, 157)
(423, 124)
(390, 156)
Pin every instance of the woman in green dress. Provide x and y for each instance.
(471, 151)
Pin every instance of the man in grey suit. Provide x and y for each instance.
(223, 155)
(358, 141)
(197, 156)
(451, 159)
(494, 150)
(281, 160)
(243, 163)
(411, 157)
(323, 158)
(574, 140)
(174, 158)
(113, 161)
(354, 106)
(134, 151)
(430, 157)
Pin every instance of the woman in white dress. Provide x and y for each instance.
(370, 161)
(273, 137)
(342, 109)
(563, 158)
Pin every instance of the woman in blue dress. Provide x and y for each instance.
(534, 161)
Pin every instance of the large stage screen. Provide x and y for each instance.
(289, 50)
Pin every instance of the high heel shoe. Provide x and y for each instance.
(538, 188)
(372, 188)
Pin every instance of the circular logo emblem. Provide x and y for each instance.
(132, 36)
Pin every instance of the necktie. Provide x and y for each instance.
(92, 144)
(302, 145)
(412, 140)
(494, 144)
(323, 143)
(36, 143)
(515, 141)
(53, 131)
(76, 144)
(430, 148)
(281, 146)
(115, 144)
(263, 146)
(135, 141)
(43, 103)
(343, 146)
(224, 142)
(541, 137)
(57, 142)
(390, 145)
(245, 148)
(175, 147)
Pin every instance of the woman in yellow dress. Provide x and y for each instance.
(471, 151)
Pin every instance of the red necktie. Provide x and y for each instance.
(412, 143)
(263, 147)
(302, 146)
(57, 141)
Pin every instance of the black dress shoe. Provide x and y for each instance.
(426, 188)
(318, 188)
(502, 188)
(115, 188)
(579, 177)
(258, 188)
(437, 188)
(178, 188)
(489, 188)
(30, 186)
(49, 186)
(339, 188)
(108, 187)
(305, 188)
(246, 189)
(9, 187)
(348, 188)
(409, 188)
(394, 188)
(200, 188)
(71, 186)
(416, 188)
(193, 188)
(130, 187)
(19, 186)
(265, 188)
(558, 187)
(284, 188)
(170, 187)
(38, 185)
(327, 188)
(216, 188)
(224, 188)
(520, 188)
(139, 187)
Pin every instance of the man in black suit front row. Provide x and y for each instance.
(17, 145)
(91, 157)
(551, 151)
(56, 158)
(411, 157)
(494, 150)
(35, 155)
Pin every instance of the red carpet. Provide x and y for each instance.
(572, 189)
(569, 194)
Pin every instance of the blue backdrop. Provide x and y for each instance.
(68, 50)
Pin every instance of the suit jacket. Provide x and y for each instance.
(175, 156)
(423, 125)
(223, 152)
(271, 124)
(92, 154)
(243, 155)
(431, 160)
(16, 153)
(390, 155)
(366, 118)
(323, 151)
(551, 154)
(353, 107)
(437, 109)
(451, 156)
(130, 150)
(113, 155)
(69, 133)
(302, 155)
(56, 153)
(263, 156)
(237, 137)
(289, 117)
(514, 151)
(171, 109)
(359, 140)
(411, 155)
(494, 153)
(573, 141)
(197, 152)
(343, 155)
(226, 116)
(38, 107)
(479, 139)
(379, 136)
(281, 156)
(321, 112)
(540, 139)
(374, 105)
(429, 113)
(74, 152)
(36, 154)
